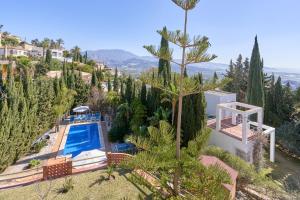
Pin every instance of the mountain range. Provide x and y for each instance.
(130, 63)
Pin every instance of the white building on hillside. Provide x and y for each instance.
(231, 126)
(14, 51)
(57, 54)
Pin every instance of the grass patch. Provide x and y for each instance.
(85, 186)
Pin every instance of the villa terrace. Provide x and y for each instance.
(233, 120)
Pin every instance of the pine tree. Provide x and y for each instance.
(230, 74)
(185, 73)
(255, 89)
(164, 67)
(193, 51)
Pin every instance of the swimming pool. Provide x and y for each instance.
(82, 137)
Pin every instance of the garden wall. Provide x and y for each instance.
(57, 168)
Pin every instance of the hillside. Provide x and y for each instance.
(133, 64)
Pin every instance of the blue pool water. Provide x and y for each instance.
(82, 137)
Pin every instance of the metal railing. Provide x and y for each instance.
(89, 161)
(81, 118)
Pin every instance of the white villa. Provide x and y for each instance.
(231, 126)
(57, 54)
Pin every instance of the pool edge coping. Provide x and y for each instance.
(65, 136)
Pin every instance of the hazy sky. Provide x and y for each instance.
(231, 25)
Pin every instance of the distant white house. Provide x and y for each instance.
(14, 51)
(231, 126)
(57, 54)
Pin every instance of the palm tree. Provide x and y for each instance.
(171, 96)
(113, 99)
(36, 42)
(75, 52)
(45, 44)
(53, 44)
(59, 43)
(124, 110)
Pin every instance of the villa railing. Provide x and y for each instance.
(79, 118)
(89, 161)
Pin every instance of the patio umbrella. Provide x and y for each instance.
(81, 109)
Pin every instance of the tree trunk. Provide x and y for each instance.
(178, 130)
(173, 111)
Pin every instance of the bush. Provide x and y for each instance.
(36, 148)
(55, 64)
(288, 136)
(67, 186)
(34, 163)
(84, 68)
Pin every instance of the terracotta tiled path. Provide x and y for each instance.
(59, 138)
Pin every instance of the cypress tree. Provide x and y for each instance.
(193, 115)
(255, 89)
(278, 100)
(133, 91)
(100, 74)
(94, 81)
(48, 57)
(116, 81)
(144, 94)
(128, 90)
(64, 72)
(80, 58)
(108, 84)
(215, 78)
(122, 91)
(85, 57)
(56, 86)
(164, 67)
